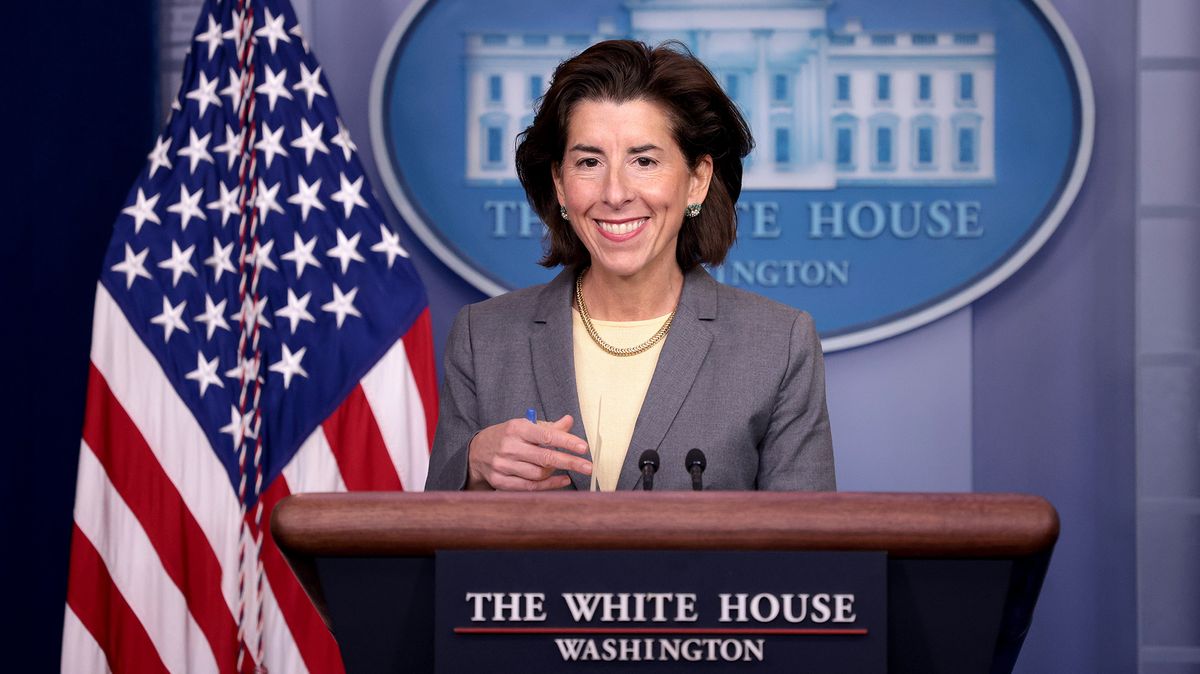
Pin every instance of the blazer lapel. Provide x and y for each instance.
(553, 356)
(682, 355)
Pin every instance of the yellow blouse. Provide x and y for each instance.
(611, 390)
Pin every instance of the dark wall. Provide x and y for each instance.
(80, 100)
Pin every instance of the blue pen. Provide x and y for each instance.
(531, 415)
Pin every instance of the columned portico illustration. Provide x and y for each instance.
(827, 107)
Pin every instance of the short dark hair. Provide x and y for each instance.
(703, 120)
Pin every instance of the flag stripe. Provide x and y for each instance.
(80, 651)
(314, 469)
(281, 654)
(358, 446)
(105, 519)
(396, 401)
(418, 344)
(170, 430)
(317, 646)
(94, 598)
(177, 538)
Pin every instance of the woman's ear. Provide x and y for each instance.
(701, 178)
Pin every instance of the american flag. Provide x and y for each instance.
(259, 331)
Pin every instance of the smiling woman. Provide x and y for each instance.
(625, 186)
(634, 162)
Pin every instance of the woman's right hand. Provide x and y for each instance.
(517, 455)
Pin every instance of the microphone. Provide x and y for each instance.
(695, 464)
(649, 465)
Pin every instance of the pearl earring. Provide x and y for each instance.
(692, 210)
(562, 211)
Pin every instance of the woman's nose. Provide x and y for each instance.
(617, 190)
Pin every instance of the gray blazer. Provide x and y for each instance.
(740, 377)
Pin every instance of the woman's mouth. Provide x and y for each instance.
(620, 230)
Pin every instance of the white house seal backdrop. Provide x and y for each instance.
(909, 157)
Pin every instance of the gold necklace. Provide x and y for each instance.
(609, 348)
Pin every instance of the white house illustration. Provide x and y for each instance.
(827, 108)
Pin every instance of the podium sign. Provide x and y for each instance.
(510, 611)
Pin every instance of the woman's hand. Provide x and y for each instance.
(519, 456)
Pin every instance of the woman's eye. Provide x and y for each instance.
(644, 161)
(589, 162)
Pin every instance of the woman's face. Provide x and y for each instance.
(625, 184)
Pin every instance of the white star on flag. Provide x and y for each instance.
(389, 245)
(296, 309)
(227, 203)
(348, 196)
(301, 254)
(179, 263)
(211, 37)
(197, 149)
(205, 373)
(219, 260)
(188, 206)
(232, 147)
(342, 140)
(245, 370)
(265, 201)
(299, 32)
(232, 33)
(274, 87)
(342, 305)
(346, 249)
(253, 312)
(142, 210)
(310, 140)
(262, 255)
(158, 156)
(270, 144)
(234, 89)
(310, 83)
(273, 30)
(306, 197)
(213, 316)
(205, 93)
(289, 366)
(133, 266)
(239, 425)
(171, 318)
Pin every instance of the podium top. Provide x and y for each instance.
(904, 525)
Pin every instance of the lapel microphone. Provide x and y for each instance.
(648, 462)
(695, 464)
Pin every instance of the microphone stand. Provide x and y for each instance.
(695, 464)
(648, 462)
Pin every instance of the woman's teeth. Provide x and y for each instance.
(621, 228)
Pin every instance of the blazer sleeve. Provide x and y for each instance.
(458, 410)
(797, 450)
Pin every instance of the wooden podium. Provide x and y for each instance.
(964, 570)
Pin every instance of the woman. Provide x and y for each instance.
(634, 161)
